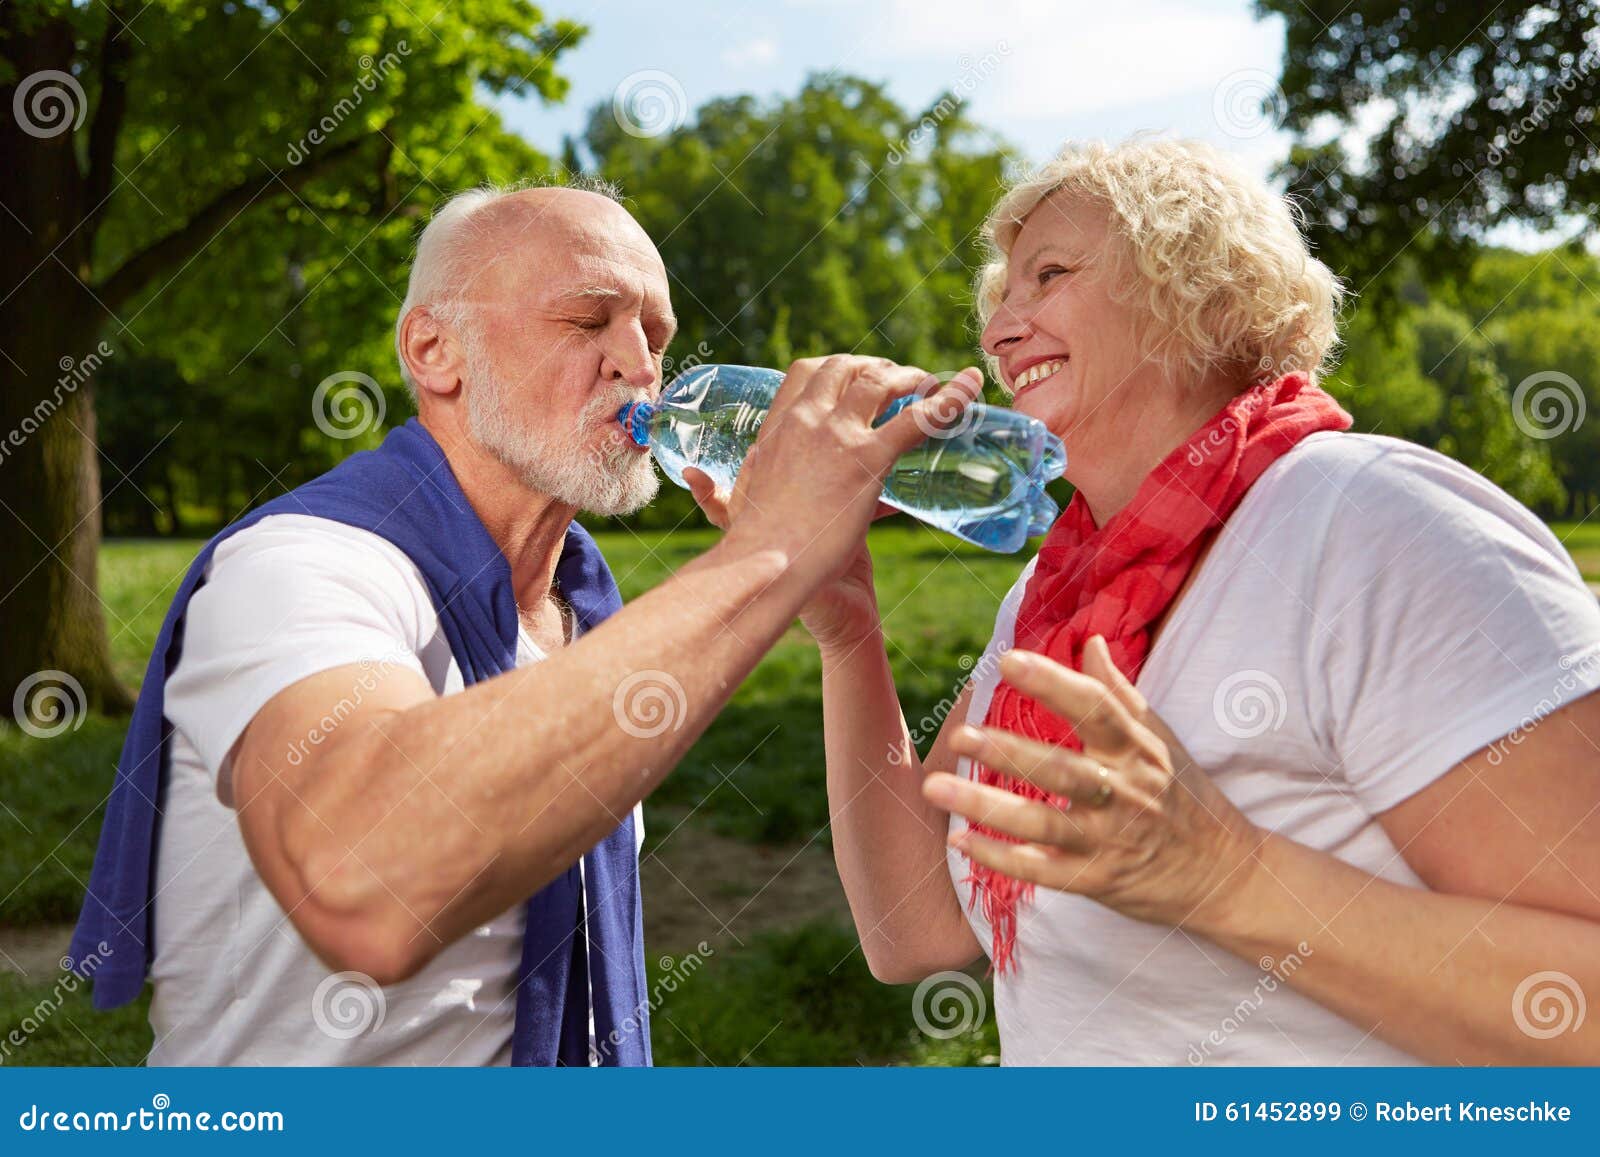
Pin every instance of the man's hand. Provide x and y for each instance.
(810, 484)
(425, 816)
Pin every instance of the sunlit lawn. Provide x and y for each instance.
(1582, 540)
(755, 775)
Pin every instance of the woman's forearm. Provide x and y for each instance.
(1447, 978)
(888, 841)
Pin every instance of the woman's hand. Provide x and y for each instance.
(1147, 834)
(842, 613)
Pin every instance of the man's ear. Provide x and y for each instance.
(430, 352)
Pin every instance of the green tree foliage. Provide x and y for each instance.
(1499, 369)
(832, 220)
(1485, 113)
(1477, 425)
(232, 188)
(1540, 313)
(1380, 379)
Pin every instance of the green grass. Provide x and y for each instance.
(1582, 539)
(757, 774)
(137, 580)
(52, 795)
(52, 790)
(58, 1026)
(805, 997)
(797, 997)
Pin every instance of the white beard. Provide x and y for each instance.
(609, 479)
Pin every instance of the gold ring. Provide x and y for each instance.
(1102, 793)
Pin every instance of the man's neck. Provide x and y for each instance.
(528, 527)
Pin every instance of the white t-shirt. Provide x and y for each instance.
(1370, 615)
(234, 982)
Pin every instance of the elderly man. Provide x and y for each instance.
(386, 728)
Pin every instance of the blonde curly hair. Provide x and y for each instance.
(1208, 252)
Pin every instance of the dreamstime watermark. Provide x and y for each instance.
(649, 103)
(48, 103)
(372, 672)
(928, 725)
(1275, 973)
(649, 703)
(973, 73)
(677, 971)
(602, 454)
(1302, 357)
(46, 703)
(73, 974)
(1222, 434)
(347, 1005)
(1248, 704)
(949, 1004)
(1248, 103)
(1547, 1004)
(74, 372)
(1548, 404)
(347, 404)
(672, 368)
(373, 73)
(944, 417)
(1539, 116)
(160, 1117)
(1575, 676)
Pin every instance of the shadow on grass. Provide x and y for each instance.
(58, 1026)
(805, 997)
(54, 792)
(796, 997)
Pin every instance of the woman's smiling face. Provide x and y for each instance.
(1069, 353)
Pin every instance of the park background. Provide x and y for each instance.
(208, 210)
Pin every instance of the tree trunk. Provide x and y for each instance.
(51, 615)
(169, 491)
(51, 322)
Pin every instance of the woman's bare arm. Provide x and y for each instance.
(888, 841)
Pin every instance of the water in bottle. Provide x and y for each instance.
(981, 480)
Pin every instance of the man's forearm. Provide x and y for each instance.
(888, 841)
(1431, 973)
(449, 813)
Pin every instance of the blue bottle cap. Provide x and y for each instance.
(635, 419)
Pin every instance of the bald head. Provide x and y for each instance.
(474, 232)
(531, 316)
(551, 217)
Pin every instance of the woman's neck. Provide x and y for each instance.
(1114, 460)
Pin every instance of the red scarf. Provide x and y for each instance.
(1119, 579)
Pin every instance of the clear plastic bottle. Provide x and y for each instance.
(981, 480)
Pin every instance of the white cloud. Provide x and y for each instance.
(1067, 59)
(752, 52)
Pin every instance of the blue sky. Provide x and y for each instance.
(1037, 72)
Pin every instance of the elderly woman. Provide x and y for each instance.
(1285, 749)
